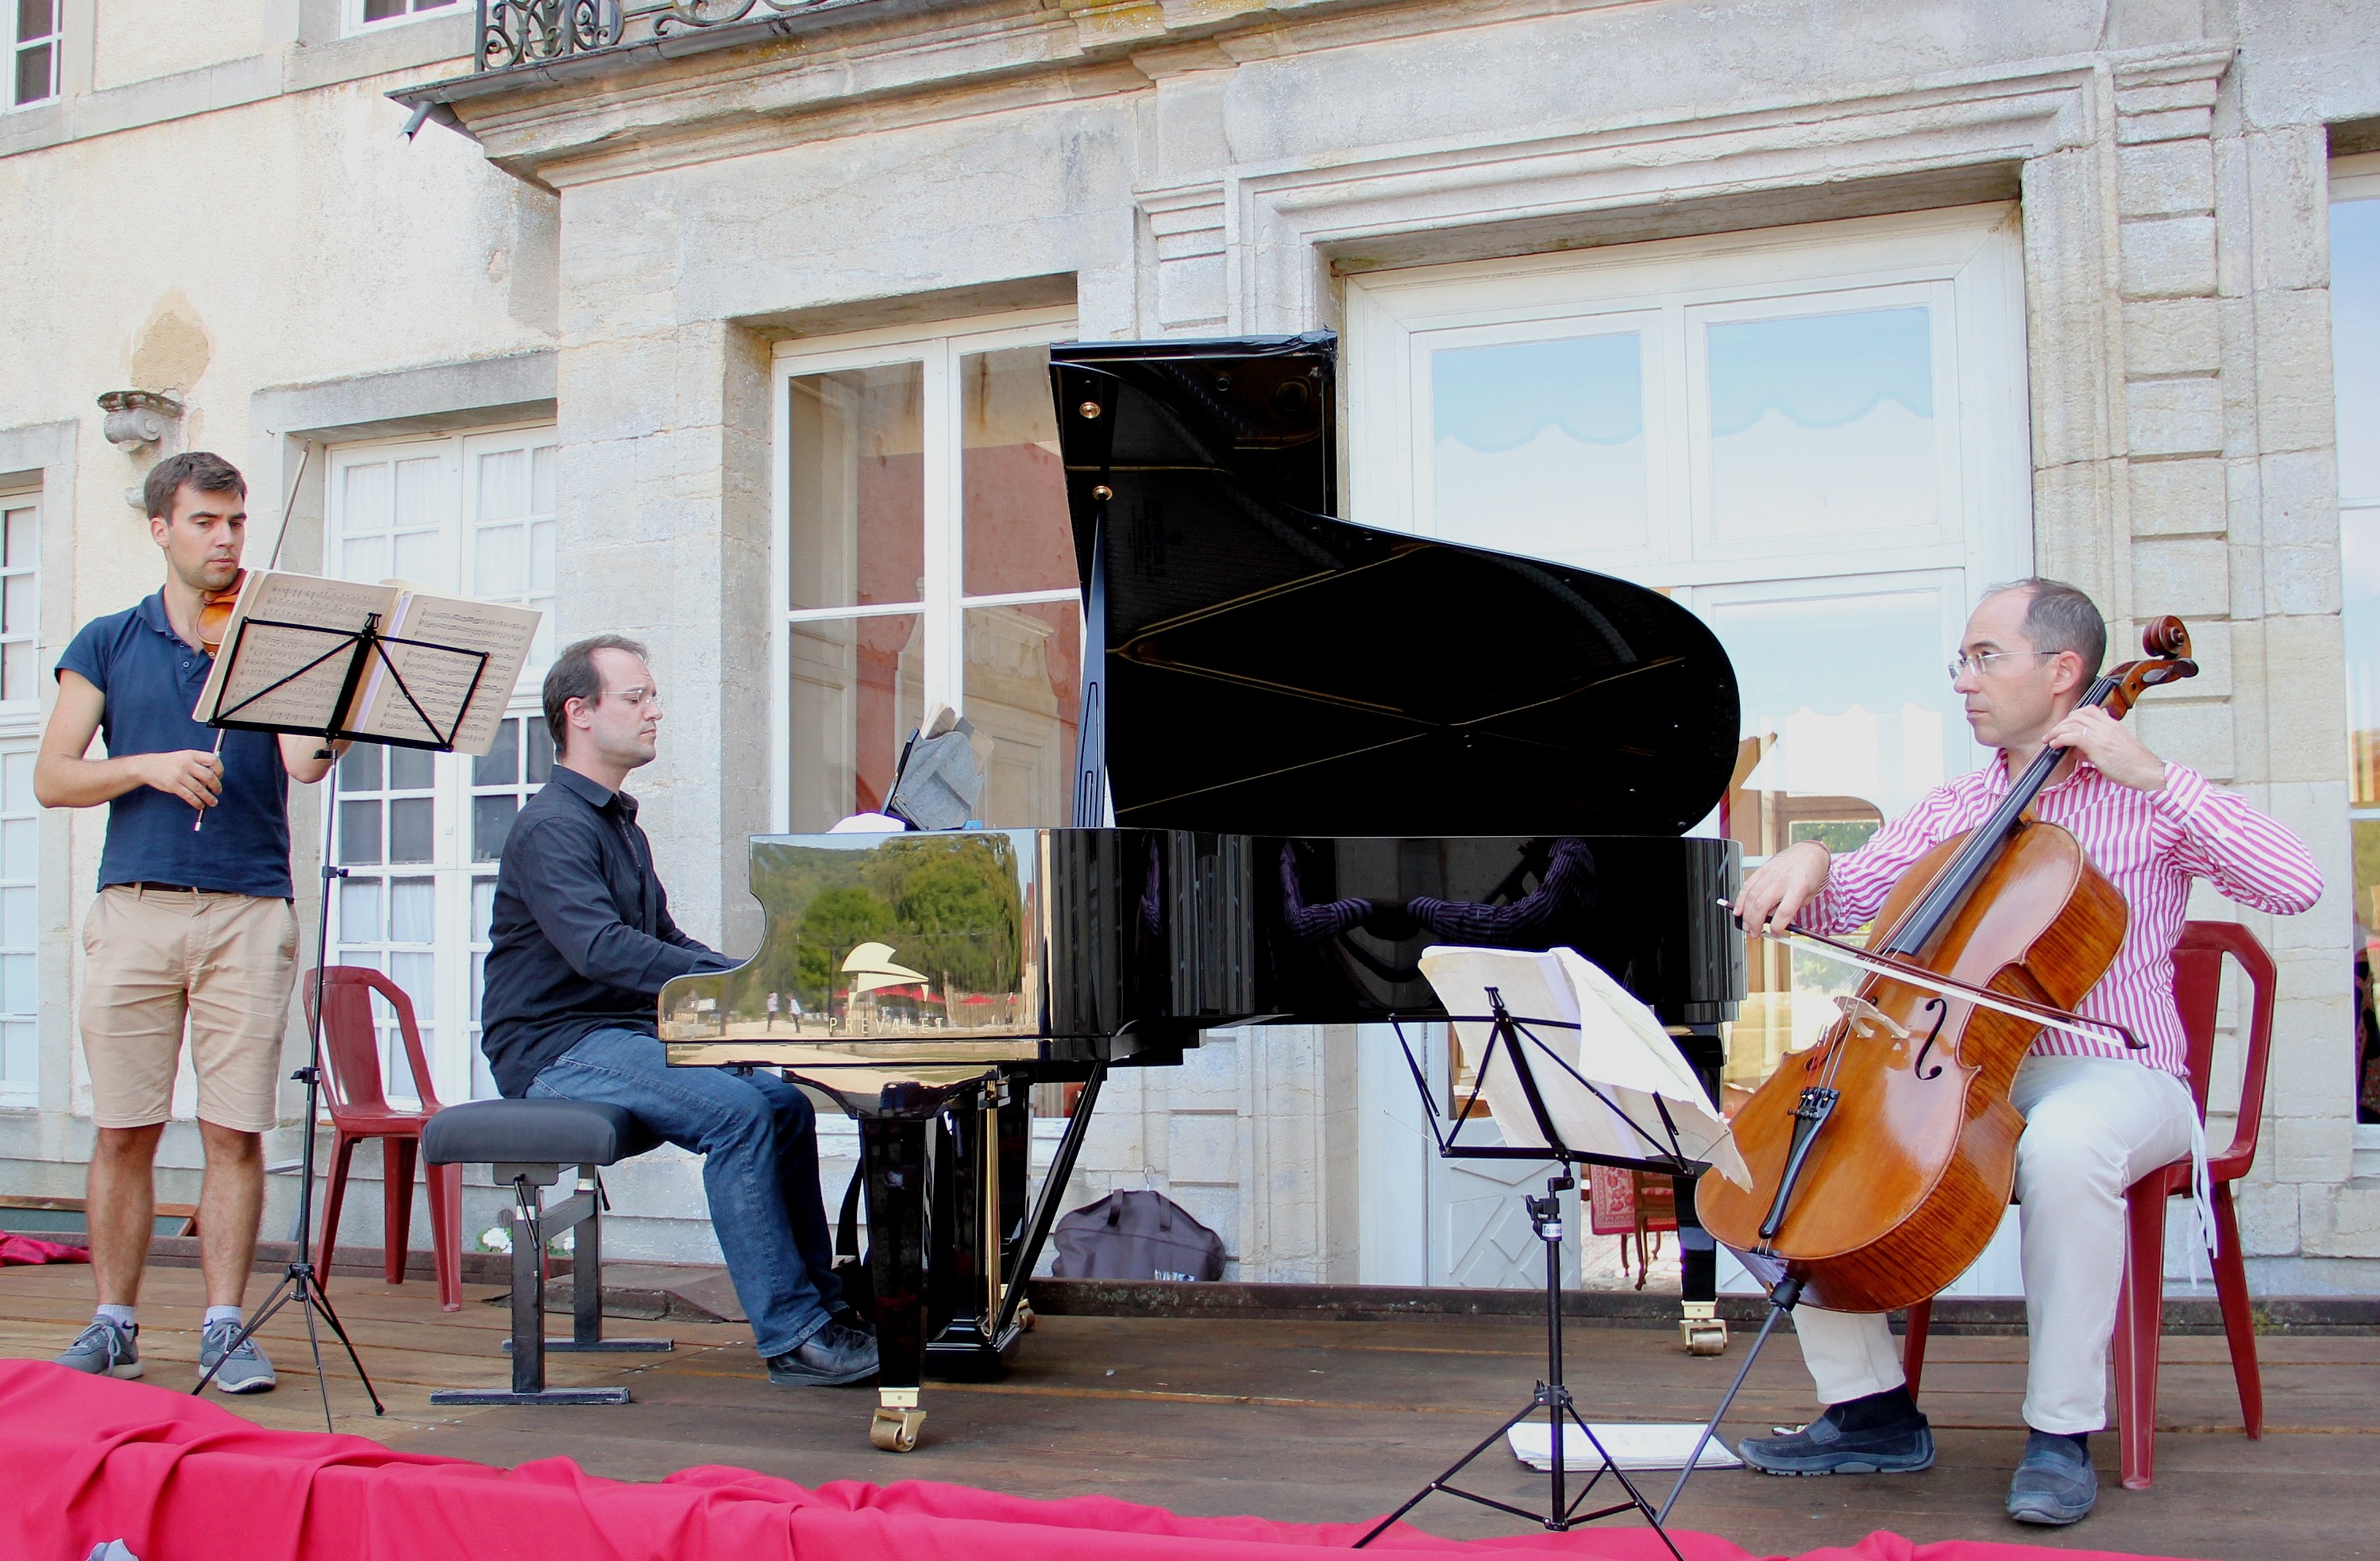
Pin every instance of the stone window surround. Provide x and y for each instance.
(40, 457)
(306, 47)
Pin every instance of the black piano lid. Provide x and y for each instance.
(1271, 669)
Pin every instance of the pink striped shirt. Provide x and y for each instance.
(2150, 844)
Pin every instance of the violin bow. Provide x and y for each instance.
(2045, 1015)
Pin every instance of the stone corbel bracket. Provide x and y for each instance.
(139, 418)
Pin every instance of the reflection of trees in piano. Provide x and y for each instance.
(949, 905)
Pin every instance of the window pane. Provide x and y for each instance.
(20, 984)
(856, 686)
(33, 73)
(500, 765)
(19, 1045)
(364, 558)
(415, 504)
(359, 768)
(504, 484)
(856, 453)
(417, 559)
(24, 550)
(2355, 326)
(19, 908)
(483, 906)
(1023, 689)
(541, 752)
(541, 462)
(1018, 538)
(359, 832)
(20, 853)
(411, 769)
(36, 18)
(381, 10)
(360, 911)
(17, 610)
(1821, 424)
(496, 566)
(366, 505)
(16, 672)
(1539, 447)
(491, 821)
(409, 829)
(541, 556)
(417, 974)
(412, 911)
(16, 773)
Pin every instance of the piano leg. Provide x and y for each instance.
(1699, 1324)
(978, 1178)
(892, 1150)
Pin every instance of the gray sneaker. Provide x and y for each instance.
(104, 1350)
(244, 1370)
(2055, 1485)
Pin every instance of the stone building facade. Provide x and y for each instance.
(2107, 226)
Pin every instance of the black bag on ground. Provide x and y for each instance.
(1137, 1235)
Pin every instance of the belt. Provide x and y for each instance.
(166, 888)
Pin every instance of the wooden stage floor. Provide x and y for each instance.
(1313, 1420)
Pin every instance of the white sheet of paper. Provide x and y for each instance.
(438, 679)
(266, 654)
(1631, 1446)
(1619, 1046)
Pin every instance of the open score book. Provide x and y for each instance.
(286, 651)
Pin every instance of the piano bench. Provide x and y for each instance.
(530, 1143)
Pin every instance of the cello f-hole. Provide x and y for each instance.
(1940, 1011)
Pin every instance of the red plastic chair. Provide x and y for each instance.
(359, 1109)
(2139, 1309)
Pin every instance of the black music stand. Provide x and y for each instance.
(363, 646)
(1514, 1039)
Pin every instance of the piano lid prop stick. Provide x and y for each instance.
(1927, 980)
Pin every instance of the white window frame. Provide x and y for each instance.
(2358, 178)
(21, 732)
(943, 605)
(351, 15)
(447, 1037)
(1966, 262)
(55, 39)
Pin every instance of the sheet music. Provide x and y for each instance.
(266, 654)
(438, 679)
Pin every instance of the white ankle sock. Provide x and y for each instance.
(119, 1315)
(223, 1314)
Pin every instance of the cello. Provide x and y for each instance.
(1882, 1157)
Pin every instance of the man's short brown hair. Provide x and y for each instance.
(2061, 617)
(574, 676)
(202, 470)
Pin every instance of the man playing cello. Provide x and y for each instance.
(2097, 1118)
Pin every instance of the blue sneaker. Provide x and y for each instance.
(2056, 1485)
(1823, 1446)
(104, 1350)
(245, 1369)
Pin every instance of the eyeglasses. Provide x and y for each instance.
(1980, 662)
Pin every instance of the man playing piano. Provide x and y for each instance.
(2097, 1120)
(580, 945)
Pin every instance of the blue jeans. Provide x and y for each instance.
(758, 1138)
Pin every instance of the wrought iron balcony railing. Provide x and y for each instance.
(514, 33)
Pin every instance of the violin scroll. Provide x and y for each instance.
(2166, 643)
(2167, 639)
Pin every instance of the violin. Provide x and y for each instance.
(1882, 1157)
(215, 611)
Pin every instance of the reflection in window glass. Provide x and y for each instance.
(1024, 690)
(1018, 534)
(2355, 358)
(1847, 720)
(1539, 447)
(858, 688)
(857, 479)
(1821, 423)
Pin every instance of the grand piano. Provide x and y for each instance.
(1310, 749)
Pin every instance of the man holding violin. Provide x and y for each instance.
(2097, 1116)
(192, 927)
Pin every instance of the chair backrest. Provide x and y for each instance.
(351, 1039)
(2197, 984)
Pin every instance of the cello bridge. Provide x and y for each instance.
(1866, 1018)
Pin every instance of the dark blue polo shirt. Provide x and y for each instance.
(152, 681)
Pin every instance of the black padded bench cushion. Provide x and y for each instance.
(561, 1132)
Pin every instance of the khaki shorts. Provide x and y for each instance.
(159, 959)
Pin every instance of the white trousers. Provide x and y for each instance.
(2093, 1126)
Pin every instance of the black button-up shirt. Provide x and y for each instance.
(582, 939)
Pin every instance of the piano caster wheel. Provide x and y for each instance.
(895, 1431)
(1025, 1318)
(1701, 1328)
